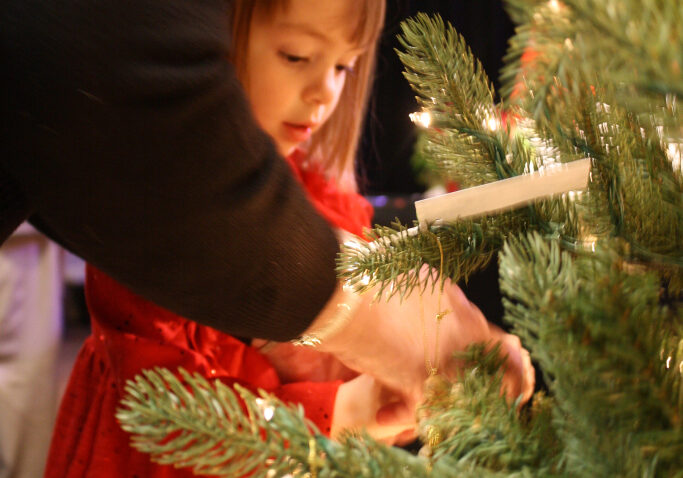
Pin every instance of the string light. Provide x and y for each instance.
(674, 153)
(267, 410)
(492, 123)
(589, 242)
(422, 118)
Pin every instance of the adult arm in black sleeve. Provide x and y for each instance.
(128, 140)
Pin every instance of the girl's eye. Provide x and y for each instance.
(346, 69)
(292, 58)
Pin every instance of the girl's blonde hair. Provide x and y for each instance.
(335, 144)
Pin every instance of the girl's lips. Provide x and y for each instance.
(298, 132)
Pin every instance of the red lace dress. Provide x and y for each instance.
(130, 334)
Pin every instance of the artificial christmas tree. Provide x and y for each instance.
(592, 280)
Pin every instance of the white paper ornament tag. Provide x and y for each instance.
(504, 194)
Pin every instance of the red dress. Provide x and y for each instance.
(130, 334)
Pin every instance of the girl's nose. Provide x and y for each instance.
(324, 88)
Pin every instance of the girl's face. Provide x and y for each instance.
(296, 65)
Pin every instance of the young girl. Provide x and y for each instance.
(305, 65)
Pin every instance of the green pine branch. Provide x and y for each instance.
(190, 423)
(595, 325)
(453, 87)
(634, 44)
(640, 47)
(394, 258)
(477, 425)
(575, 89)
(218, 430)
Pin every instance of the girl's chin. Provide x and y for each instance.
(286, 149)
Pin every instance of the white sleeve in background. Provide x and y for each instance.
(31, 280)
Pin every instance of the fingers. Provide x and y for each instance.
(529, 377)
(396, 408)
(361, 401)
(406, 437)
(297, 364)
(519, 378)
(396, 413)
(395, 423)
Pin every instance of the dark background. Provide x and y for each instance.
(388, 141)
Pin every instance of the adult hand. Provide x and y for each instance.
(295, 363)
(356, 408)
(396, 341)
(359, 400)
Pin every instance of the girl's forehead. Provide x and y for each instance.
(323, 20)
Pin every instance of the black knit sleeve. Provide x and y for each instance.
(129, 133)
(14, 208)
